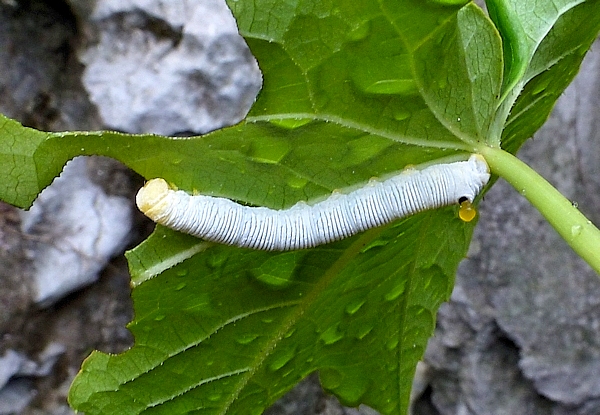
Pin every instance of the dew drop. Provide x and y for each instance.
(297, 182)
(363, 331)
(383, 78)
(215, 260)
(396, 291)
(401, 114)
(360, 32)
(269, 150)
(392, 343)
(540, 87)
(180, 286)
(375, 244)
(352, 390)
(576, 230)
(159, 317)
(291, 123)
(182, 272)
(246, 338)
(214, 397)
(277, 272)
(273, 281)
(282, 359)
(330, 378)
(332, 335)
(353, 306)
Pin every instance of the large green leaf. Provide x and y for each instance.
(544, 43)
(229, 331)
(351, 90)
(553, 66)
(523, 25)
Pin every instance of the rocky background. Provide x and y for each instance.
(521, 334)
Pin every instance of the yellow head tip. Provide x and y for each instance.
(149, 196)
(467, 212)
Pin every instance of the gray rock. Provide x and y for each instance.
(168, 69)
(16, 369)
(75, 228)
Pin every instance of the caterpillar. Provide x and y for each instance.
(302, 226)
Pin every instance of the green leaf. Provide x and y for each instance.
(214, 332)
(330, 115)
(460, 72)
(553, 66)
(20, 183)
(351, 90)
(523, 25)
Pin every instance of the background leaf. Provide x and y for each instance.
(214, 332)
(554, 64)
(523, 25)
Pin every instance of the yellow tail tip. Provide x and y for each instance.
(467, 212)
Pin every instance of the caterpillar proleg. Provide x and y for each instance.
(221, 220)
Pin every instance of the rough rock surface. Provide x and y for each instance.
(75, 228)
(168, 68)
(521, 334)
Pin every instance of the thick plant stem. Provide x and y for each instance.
(569, 222)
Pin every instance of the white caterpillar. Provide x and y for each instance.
(302, 226)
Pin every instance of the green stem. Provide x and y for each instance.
(569, 222)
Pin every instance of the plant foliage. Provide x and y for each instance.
(352, 90)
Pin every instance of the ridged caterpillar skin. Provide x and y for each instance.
(302, 226)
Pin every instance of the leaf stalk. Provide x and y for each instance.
(578, 231)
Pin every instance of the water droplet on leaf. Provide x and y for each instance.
(360, 32)
(576, 230)
(363, 331)
(246, 338)
(401, 114)
(330, 378)
(281, 359)
(332, 335)
(353, 306)
(392, 343)
(396, 291)
(291, 123)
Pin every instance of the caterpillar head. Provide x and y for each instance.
(151, 199)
